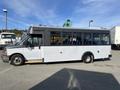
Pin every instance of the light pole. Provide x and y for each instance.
(5, 11)
(90, 22)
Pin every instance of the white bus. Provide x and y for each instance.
(7, 38)
(54, 44)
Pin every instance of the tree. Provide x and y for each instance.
(17, 32)
(67, 23)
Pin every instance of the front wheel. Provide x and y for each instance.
(17, 60)
(88, 58)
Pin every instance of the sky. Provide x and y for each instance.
(24, 13)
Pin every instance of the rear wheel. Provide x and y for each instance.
(88, 58)
(17, 60)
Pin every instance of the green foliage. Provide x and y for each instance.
(67, 23)
(17, 32)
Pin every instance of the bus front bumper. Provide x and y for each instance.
(5, 58)
(2, 46)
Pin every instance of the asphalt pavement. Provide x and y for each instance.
(100, 75)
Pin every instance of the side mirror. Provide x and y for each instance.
(31, 45)
(28, 44)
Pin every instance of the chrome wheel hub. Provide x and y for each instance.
(17, 60)
(88, 59)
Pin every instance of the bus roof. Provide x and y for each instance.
(32, 29)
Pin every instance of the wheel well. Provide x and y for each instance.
(87, 53)
(15, 54)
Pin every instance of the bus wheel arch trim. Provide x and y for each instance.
(88, 57)
(17, 59)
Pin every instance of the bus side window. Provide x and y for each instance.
(101, 39)
(55, 38)
(105, 39)
(77, 38)
(87, 39)
(37, 41)
(67, 38)
(96, 39)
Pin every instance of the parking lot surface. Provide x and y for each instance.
(100, 75)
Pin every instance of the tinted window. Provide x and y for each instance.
(97, 39)
(55, 38)
(105, 39)
(67, 38)
(77, 38)
(87, 40)
(101, 39)
(34, 41)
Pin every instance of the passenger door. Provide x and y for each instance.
(32, 49)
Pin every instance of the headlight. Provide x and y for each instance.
(8, 42)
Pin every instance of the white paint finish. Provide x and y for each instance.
(71, 53)
(28, 53)
(61, 53)
(115, 35)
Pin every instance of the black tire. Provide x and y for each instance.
(88, 58)
(17, 60)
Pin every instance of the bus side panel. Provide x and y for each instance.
(71, 53)
(61, 53)
(28, 53)
(102, 51)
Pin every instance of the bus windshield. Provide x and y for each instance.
(8, 36)
(23, 38)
